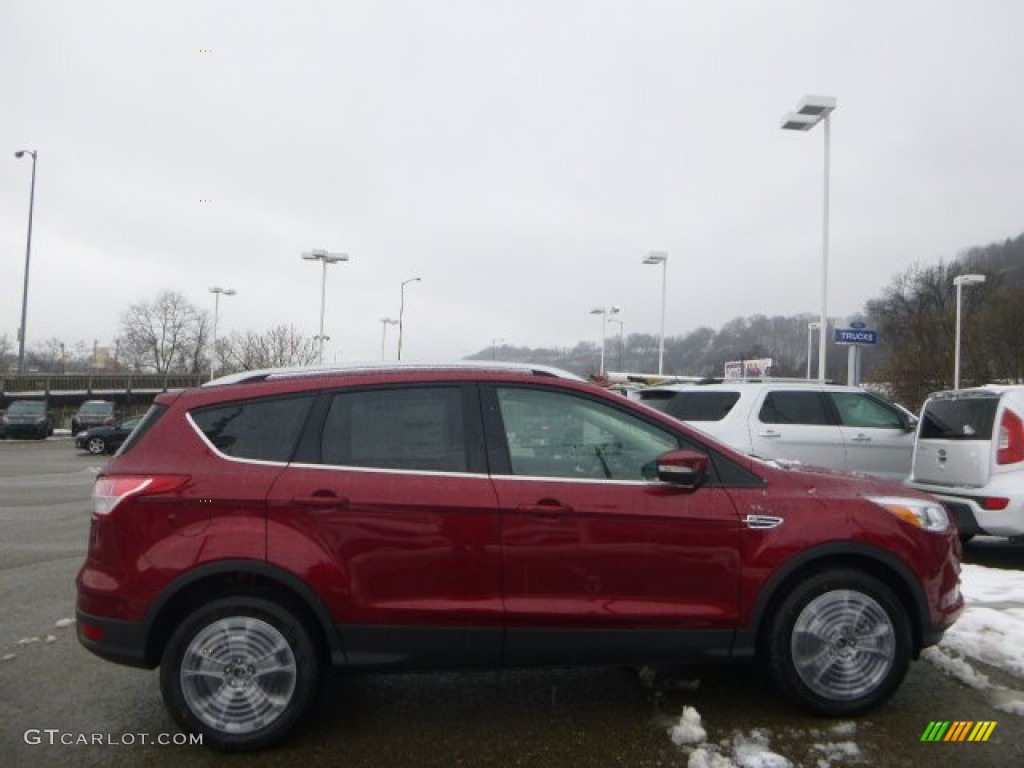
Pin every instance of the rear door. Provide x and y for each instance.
(875, 435)
(954, 439)
(797, 425)
(389, 511)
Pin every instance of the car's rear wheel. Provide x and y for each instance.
(96, 445)
(240, 671)
(839, 642)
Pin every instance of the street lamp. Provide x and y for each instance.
(28, 255)
(217, 292)
(401, 313)
(622, 331)
(604, 313)
(385, 322)
(810, 111)
(326, 258)
(660, 257)
(494, 344)
(811, 328)
(960, 281)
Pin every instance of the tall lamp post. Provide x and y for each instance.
(604, 313)
(327, 258)
(622, 333)
(28, 256)
(959, 282)
(385, 322)
(217, 292)
(494, 346)
(660, 257)
(401, 313)
(811, 328)
(809, 112)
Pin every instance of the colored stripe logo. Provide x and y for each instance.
(958, 730)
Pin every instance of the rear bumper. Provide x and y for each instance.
(967, 510)
(122, 642)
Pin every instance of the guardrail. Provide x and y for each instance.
(94, 383)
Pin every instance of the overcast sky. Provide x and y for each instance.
(520, 156)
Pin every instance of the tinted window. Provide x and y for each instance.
(656, 398)
(701, 406)
(412, 428)
(96, 409)
(552, 434)
(255, 429)
(860, 410)
(967, 419)
(794, 408)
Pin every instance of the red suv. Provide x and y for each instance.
(256, 530)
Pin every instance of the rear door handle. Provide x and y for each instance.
(322, 500)
(861, 438)
(769, 433)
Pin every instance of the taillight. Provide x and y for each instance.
(111, 491)
(1011, 439)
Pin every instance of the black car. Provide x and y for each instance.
(27, 418)
(99, 440)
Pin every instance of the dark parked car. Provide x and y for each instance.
(255, 530)
(27, 418)
(94, 413)
(97, 440)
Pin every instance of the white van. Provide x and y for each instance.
(969, 451)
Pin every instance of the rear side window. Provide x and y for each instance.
(966, 419)
(701, 406)
(408, 428)
(795, 408)
(265, 429)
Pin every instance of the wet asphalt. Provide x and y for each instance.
(56, 699)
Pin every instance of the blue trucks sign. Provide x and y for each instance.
(855, 336)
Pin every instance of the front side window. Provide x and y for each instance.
(553, 434)
(808, 408)
(860, 410)
(265, 429)
(407, 428)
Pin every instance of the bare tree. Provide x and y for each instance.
(280, 347)
(164, 335)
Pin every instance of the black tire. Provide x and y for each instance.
(233, 704)
(839, 643)
(96, 445)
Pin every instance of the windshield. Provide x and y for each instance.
(26, 408)
(94, 409)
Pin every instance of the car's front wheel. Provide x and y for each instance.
(240, 671)
(839, 643)
(96, 445)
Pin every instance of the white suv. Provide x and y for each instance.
(829, 425)
(970, 453)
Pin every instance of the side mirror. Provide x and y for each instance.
(687, 469)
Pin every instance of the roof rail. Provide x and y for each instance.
(385, 367)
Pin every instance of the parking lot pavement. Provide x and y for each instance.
(54, 694)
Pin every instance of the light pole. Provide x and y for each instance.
(604, 312)
(401, 313)
(217, 292)
(811, 328)
(810, 111)
(960, 281)
(494, 344)
(622, 331)
(385, 322)
(326, 258)
(660, 257)
(28, 257)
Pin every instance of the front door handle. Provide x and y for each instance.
(861, 438)
(550, 509)
(769, 433)
(322, 500)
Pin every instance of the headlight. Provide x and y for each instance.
(929, 515)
